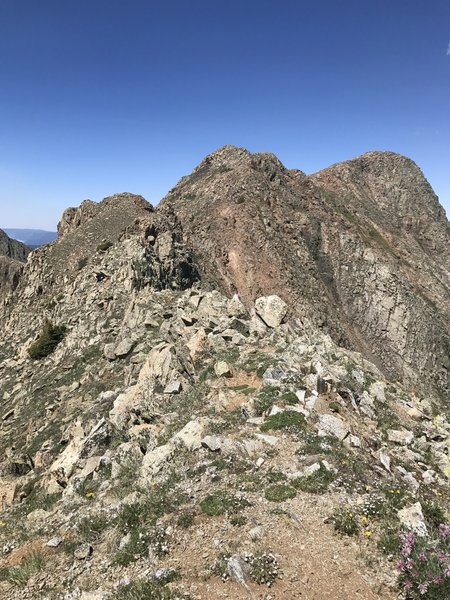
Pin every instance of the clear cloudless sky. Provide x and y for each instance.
(104, 96)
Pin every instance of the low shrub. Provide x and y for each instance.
(144, 589)
(345, 522)
(316, 483)
(82, 262)
(289, 420)
(222, 502)
(264, 568)
(185, 520)
(136, 547)
(280, 492)
(51, 335)
(265, 399)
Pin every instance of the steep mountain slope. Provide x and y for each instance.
(162, 436)
(12, 248)
(360, 249)
(12, 256)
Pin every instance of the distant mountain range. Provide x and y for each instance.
(32, 237)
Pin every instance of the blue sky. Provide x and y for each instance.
(103, 96)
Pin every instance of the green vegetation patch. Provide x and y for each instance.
(222, 502)
(19, 575)
(145, 589)
(316, 483)
(312, 443)
(280, 492)
(289, 420)
(259, 363)
(345, 522)
(136, 547)
(51, 335)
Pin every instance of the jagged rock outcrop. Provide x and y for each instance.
(10, 272)
(12, 248)
(359, 249)
(129, 205)
(12, 256)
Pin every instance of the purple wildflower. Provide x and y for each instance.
(444, 530)
(423, 588)
(408, 541)
(400, 565)
(408, 584)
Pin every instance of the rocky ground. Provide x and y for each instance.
(229, 451)
(160, 439)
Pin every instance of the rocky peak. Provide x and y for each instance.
(226, 156)
(391, 189)
(73, 218)
(330, 243)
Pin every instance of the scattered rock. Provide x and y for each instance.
(331, 425)
(54, 542)
(83, 552)
(238, 569)
(412, 518)
(123, 348)
(271, 309)
(402, 437)
(222, 369)
(108, 352)
(38, 516)
(174, 387)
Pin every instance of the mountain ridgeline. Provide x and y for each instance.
(359, 250)
(203, 400)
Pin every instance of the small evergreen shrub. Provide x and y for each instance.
(48, 340)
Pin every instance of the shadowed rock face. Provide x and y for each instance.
(360, 249)
(12, 256)
(12, 248)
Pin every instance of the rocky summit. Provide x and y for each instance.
(240, 393)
